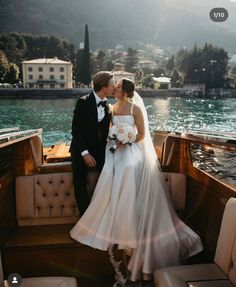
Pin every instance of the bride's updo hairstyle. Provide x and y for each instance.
(128, 87)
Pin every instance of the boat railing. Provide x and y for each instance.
(206, 138)
(230, 134)
(12, 137)
(7, 130)
(190, 151)
(215, 134)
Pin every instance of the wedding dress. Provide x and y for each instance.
(131, 208)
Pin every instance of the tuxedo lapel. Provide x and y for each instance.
(93, 105)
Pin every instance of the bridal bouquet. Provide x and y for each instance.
(122, 132)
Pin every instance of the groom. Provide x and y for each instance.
(90, 128)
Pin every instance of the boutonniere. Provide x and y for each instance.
(106, 105)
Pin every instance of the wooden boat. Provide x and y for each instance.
(38, 206)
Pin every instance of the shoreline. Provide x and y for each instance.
(21, 93)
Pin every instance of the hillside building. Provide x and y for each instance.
(47, 73)
(123, 74)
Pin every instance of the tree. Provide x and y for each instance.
(175, 79)
(233, 71)
(170, 64)
(110, 65)
(131, 60)
(159, 72)
(101, 61)
(18, 47)
(13, 74)
(86, 72)
(139, 76)
(148, 81)
(4, 67)
(207, 65)
(14, 47)
(78, 65)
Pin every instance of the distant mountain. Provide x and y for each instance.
(167, 23)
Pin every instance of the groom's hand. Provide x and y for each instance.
(118, 143)
(89, 160)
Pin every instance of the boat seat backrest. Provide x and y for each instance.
(225, 255)
(45, 199)
(49, 198)
(221, 273)
(232, 270)
(37, 150)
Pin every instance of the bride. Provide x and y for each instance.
(130, 209)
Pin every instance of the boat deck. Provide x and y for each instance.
(50, 250)
(56, 153)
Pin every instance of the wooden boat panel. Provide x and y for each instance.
(7, 194)
(57, 153)
(50, 251)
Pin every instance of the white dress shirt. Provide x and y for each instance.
(100, 109)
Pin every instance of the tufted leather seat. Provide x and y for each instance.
(46, 199)
(49, 198)
(221, 273)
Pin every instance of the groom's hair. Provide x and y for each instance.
(101, 79)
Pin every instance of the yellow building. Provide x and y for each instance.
(47, 74)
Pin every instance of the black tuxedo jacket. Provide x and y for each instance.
(85, 129)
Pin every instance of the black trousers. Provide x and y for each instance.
(80, 170)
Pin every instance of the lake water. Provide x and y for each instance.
(172, 114)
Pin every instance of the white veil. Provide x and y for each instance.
(149, 150)
(180, 240)
(150, 161)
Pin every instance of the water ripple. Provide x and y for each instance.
(172, 114)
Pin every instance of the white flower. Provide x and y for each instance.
(113, 132)
(123, 132)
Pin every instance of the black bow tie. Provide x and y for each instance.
(102, 103)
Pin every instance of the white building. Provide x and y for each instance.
(119, 66)
(47, 73)
(123, 74)
(147, 64)
(162, 82)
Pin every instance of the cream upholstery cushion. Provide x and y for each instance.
(226, 239)
(205, 275)
(213, 283)
(48, 282)
(177, 276)
(49, 198)
(232, 271)
(46, 199)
